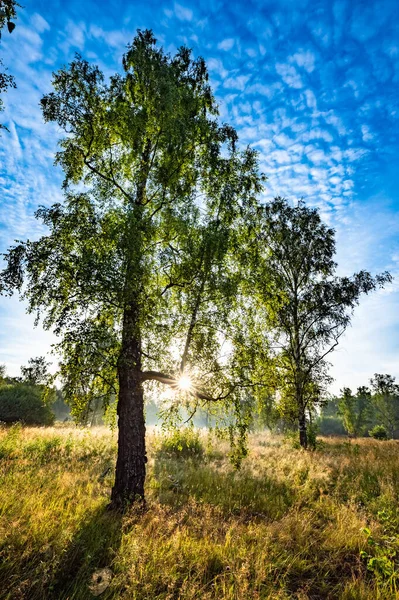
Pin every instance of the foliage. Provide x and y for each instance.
(82, 261)
(266, 412)
(378, 432)
(26, 403)
(184, 443)
(7, 13)
(373, 409)
(386, 401)
(356, 411)
(312, 431)
(381, 555)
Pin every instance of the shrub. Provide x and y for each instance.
(292, 438)
(25, 403)
(183, 443)
(313, 442)
(379, 432)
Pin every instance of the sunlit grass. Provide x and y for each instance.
(289, 524)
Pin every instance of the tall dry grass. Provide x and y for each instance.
(289, 524)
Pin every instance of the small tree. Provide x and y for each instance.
(364, 410)
(36, 373)
(346, 408)
(306, 306)
(356, 411)
(385, 400)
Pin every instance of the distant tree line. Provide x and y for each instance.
(370, 411)
(31, 398)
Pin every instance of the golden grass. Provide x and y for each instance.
(289, 524)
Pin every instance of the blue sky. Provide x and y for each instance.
(313, 85)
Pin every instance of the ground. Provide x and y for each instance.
(288, 524)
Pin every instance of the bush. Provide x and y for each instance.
(182, 443)
(379, 432)
(25, 403)
(292, 438)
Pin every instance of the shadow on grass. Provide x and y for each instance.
(241, 492)
(92, 548)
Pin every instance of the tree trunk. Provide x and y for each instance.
(303, 436)
(132, 458)
(131, 461)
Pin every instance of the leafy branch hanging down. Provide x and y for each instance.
(7, 13)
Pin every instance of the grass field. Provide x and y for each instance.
(289, 524)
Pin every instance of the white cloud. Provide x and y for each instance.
(39, 23)
(251, 52)
(236, 82)
(289, 75)
(215, 65)
(114, 38)
(264, 90)
(366, 134)
(74, 36)
(317, 134)
(226, 44)
(183, 13)
(310, 99)
(304, 59)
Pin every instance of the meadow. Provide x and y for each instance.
(288, 524)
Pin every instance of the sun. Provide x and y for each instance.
(185, 383)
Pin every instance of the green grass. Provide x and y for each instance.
(289, 524)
